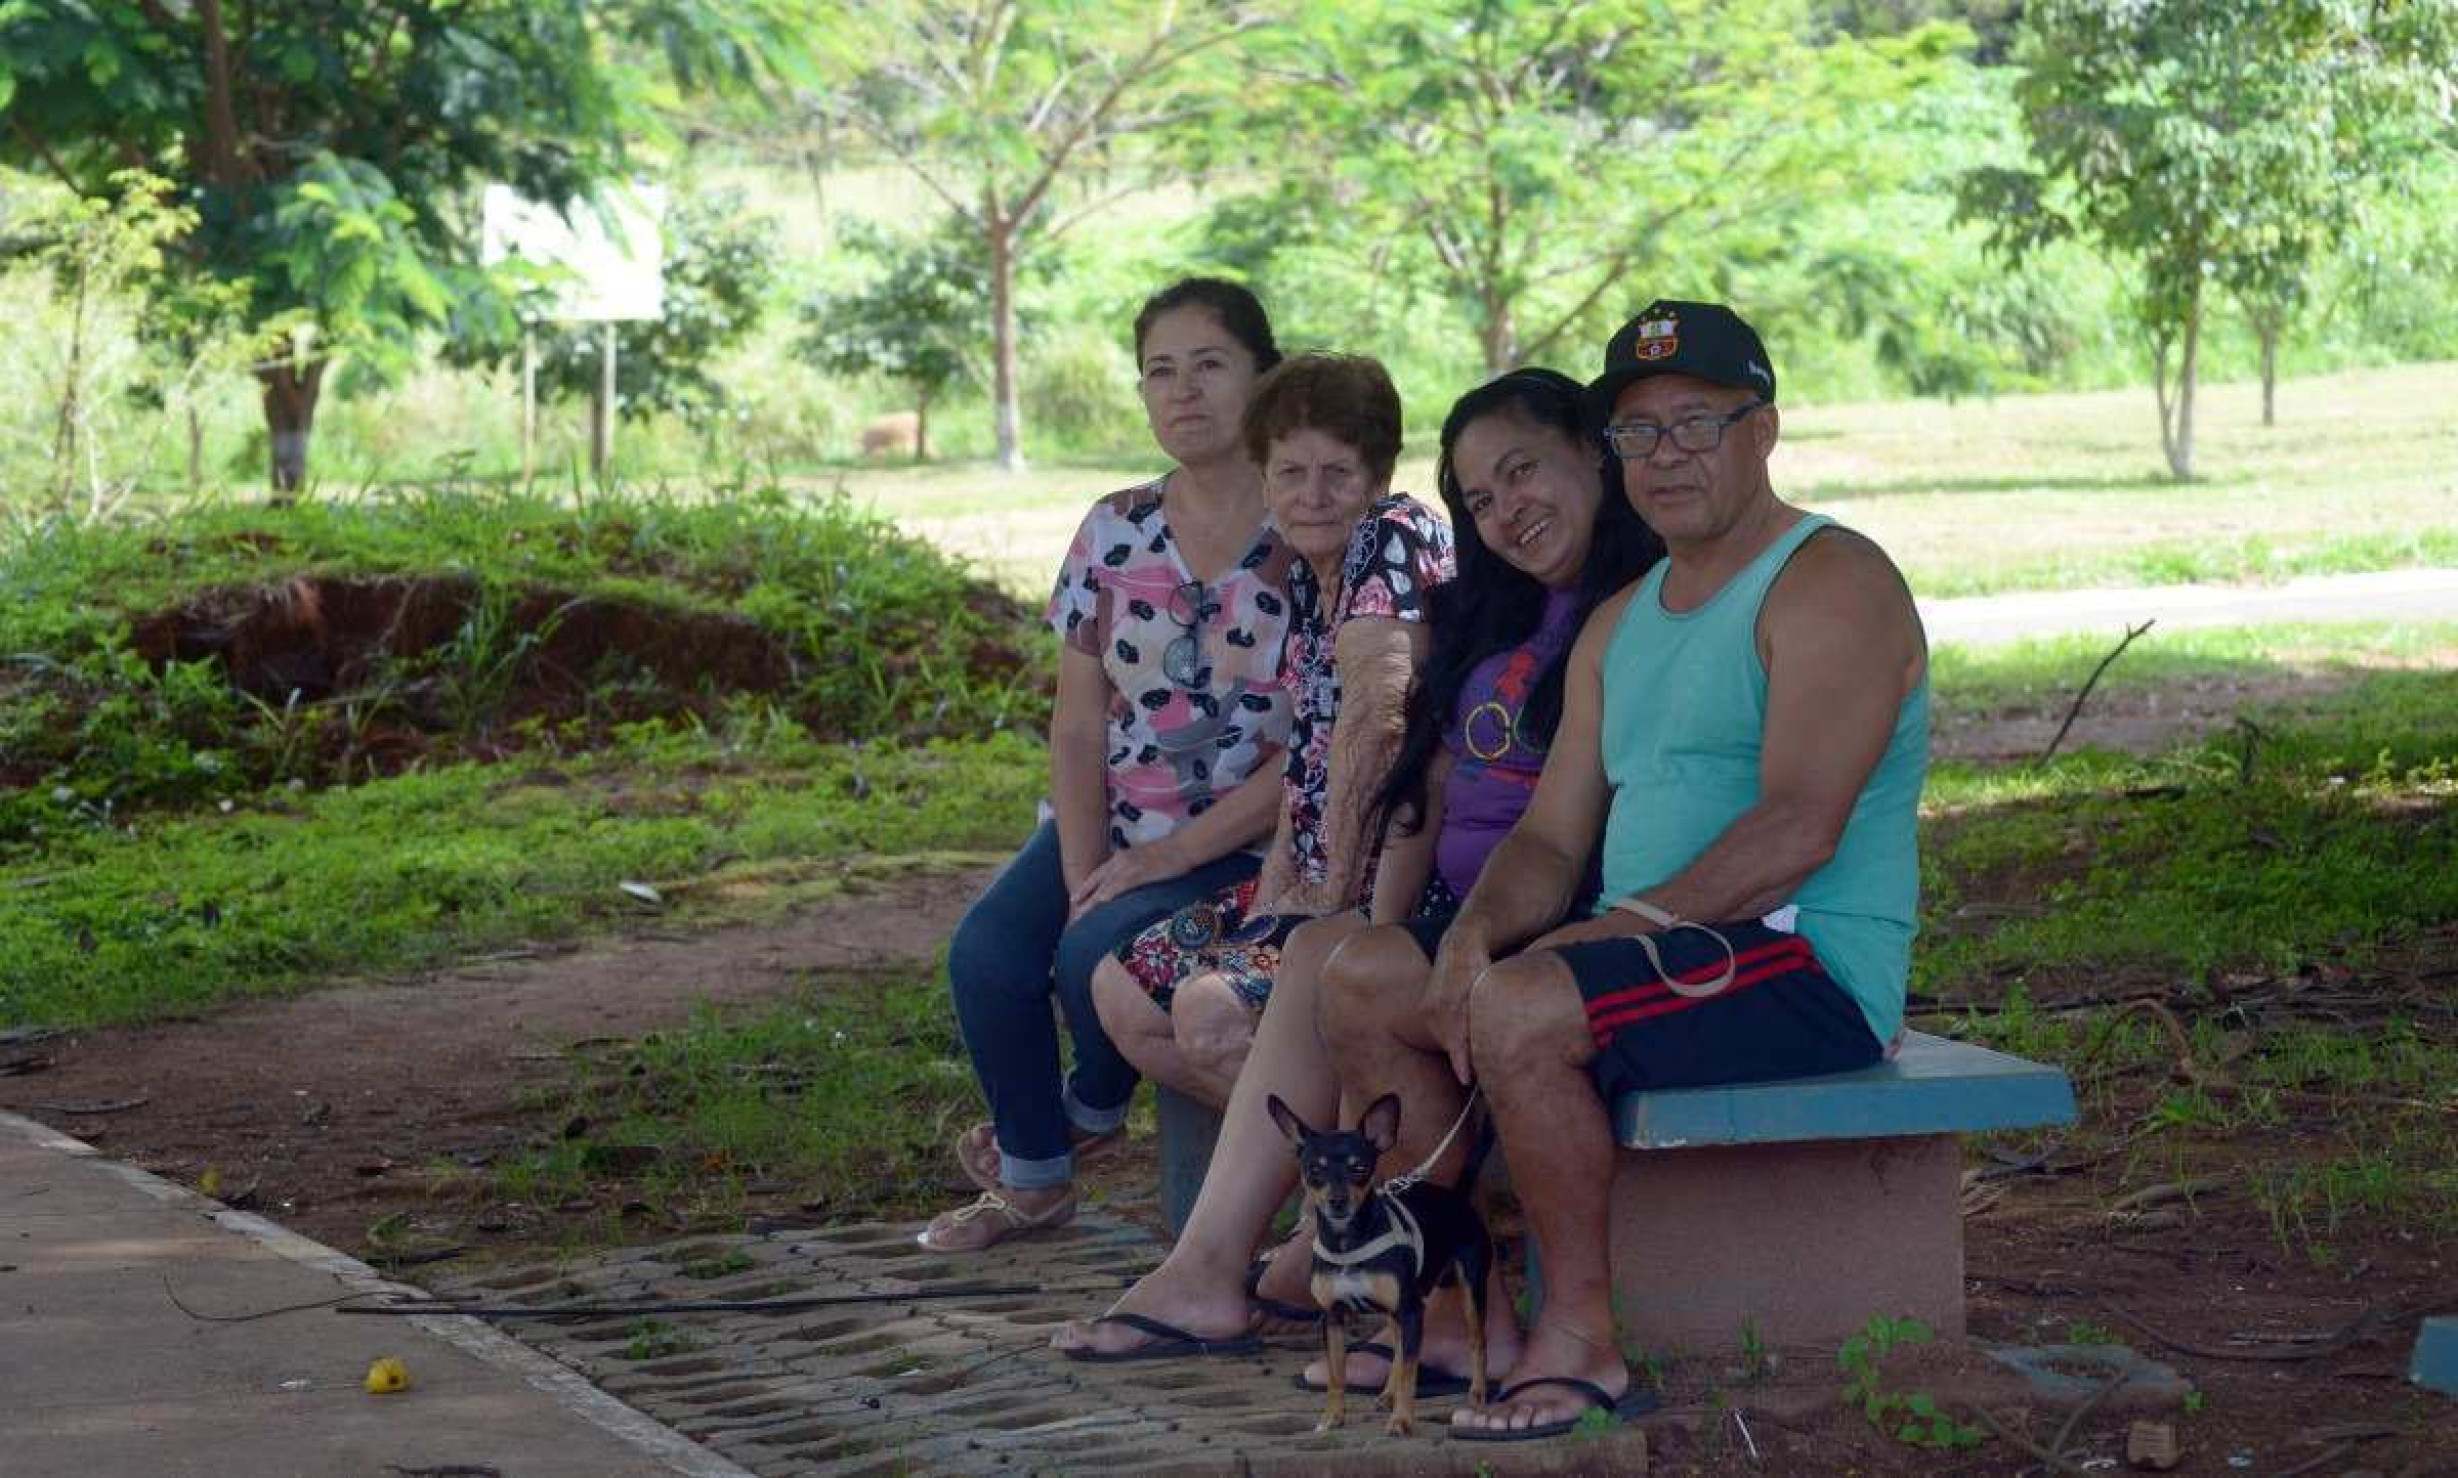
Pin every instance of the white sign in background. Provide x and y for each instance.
(611, 249)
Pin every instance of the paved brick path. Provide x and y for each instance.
(957, 1385)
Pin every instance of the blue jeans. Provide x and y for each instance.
(1012, 950)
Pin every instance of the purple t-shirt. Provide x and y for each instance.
(1493, 766)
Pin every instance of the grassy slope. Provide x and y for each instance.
(2026, 492)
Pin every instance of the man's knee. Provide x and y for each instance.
(1368, 978)
(1525, 1014)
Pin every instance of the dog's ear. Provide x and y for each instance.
(1286, 1117)
(1381, 1125)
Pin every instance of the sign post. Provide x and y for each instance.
(607, 264)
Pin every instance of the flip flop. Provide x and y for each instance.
(1169, 1342)
(1634, 1403)
(1277, 1308)
(1432, 1384)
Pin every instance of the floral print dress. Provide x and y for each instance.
(1398, 552)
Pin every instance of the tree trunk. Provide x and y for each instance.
(196, 449)
(72, 398)
(2180, 446)
(290, 417)
(1003, 388)
(1499, 335)
(921, 424)
(2267, 325)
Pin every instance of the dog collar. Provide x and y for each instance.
(1403, 1232)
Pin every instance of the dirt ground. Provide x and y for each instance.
(326, 1110)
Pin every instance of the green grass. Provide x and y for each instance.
(843, 1098)
(2049, 670)
(111, 922)
(2019, 493)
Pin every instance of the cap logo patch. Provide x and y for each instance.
(1759, 372)
(1658, 339)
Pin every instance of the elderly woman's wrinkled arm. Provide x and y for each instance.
(1378, 658)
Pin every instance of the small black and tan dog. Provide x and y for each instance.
(1385, 1249)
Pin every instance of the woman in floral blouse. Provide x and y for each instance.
(1165, 751)
(1181, 997)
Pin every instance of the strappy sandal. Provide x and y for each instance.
(988, 1221)
(977, 1152)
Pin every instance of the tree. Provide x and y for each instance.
(1533, 156)
(329, 147)
(2214, 143)
(1005, 108)
(919, 319)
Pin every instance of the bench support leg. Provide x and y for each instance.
(1803, 1242)
(1188, 1131)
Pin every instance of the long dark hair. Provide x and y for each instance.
(1494, 606)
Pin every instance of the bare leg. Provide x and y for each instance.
(1215, 1029)
(1200, 1286)
(1141, 1029)
(1530, 1042)
(1373, 1016)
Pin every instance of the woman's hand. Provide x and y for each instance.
(1124, 872)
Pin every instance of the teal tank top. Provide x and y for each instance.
(1685, 701)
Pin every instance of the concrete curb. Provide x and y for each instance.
(567, 1388)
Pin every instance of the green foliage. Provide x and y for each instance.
(1002, 112)
(1912, 1417)
(2212, 144)
(1531, 162)
(327, 149)
(921, 320)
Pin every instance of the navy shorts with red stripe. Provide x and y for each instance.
(1782, 1016)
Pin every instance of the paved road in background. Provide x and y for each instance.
(2391, 595)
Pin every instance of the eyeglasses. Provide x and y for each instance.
(1635, 441)
(1182, 660)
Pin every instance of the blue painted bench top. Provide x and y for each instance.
(1932, 1086)
(2436, 1356)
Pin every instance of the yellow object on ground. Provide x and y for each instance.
(387, 1376)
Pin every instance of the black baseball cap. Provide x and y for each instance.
(1706, 341)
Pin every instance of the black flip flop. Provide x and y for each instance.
(1432, 1384)
(1169, 1342)
(1276, 1308)
(1634, 1402)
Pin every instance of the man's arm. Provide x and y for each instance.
(1842, 645)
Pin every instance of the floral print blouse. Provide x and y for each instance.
(1398, 551)
(1196, 701)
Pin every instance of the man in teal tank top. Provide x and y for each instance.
(1745, 731)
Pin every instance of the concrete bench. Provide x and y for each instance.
(1801, 1208)
(1796, 1209)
